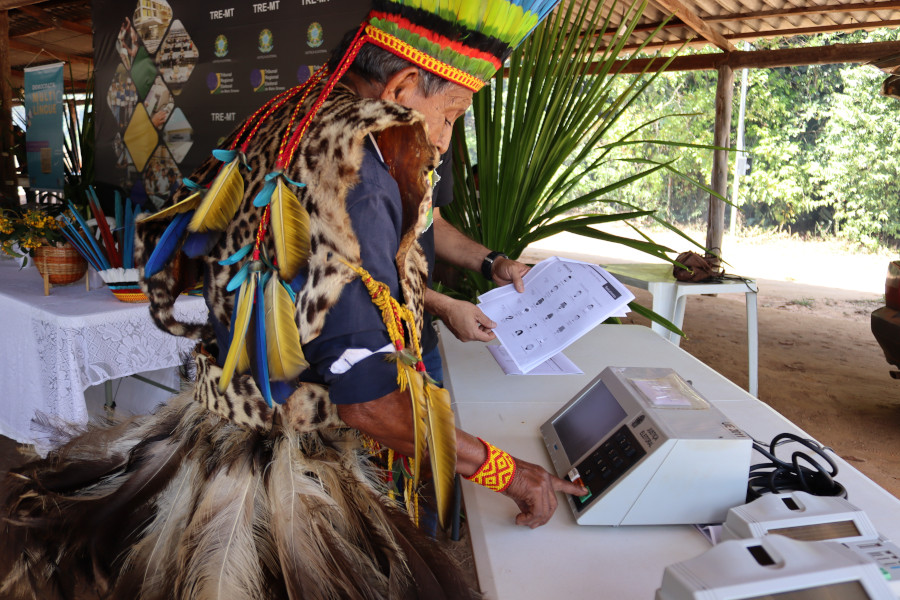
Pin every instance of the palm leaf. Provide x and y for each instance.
(545, 125)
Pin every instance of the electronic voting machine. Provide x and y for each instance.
(650, 449)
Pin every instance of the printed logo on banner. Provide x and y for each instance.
(315, 35)
(220, 47)
(266, 41)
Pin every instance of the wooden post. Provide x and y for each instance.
(715, 228)
(8, 178)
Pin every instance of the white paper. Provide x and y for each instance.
(555, 365)
(563, 300)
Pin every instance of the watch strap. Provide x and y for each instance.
(487, 265)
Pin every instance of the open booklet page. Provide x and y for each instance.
(563, 300)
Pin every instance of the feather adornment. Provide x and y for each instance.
(411, 380)
(260, 363)
(442, 448)
(285, 355)
(290, 231)
(221, 201)
(242, 313)
(188, 204)
(167, 244)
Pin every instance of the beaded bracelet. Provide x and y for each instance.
(497, 471)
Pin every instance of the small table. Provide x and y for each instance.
(670, 298)
(55, 347)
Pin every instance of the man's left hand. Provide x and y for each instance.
(507, 270)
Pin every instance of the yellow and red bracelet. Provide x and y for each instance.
(497, 471)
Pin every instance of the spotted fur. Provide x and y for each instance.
(327, 162)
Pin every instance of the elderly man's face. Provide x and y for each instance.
(440, 109)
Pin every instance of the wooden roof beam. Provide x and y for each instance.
(825, 9)
(52, 21)
(690, 18)
(53, 53)
(11, 4)
(770, 59)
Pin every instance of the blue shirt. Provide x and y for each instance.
(376, 214)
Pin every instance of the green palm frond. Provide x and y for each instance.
(545, 124)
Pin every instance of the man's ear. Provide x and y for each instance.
(401, 85)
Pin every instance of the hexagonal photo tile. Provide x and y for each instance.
(177, 57)
(161, 177)
(159, 103)
(178, 135)
(151, 19)
(122, 96)
(140, 137)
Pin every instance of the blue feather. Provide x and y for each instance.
(226, 156)
(259, 361)
(281, 390)
(297, 283)
(265, 194)
(191, 185)
(95, 249)
(198, 244)
(239, 278)
(237, 256)
(167, 244)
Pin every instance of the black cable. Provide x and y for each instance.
(777, 476)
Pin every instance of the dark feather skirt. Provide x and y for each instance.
(184, 504)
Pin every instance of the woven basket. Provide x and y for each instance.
(63, 264)
(128, 292)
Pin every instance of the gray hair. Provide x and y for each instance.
(378, 65)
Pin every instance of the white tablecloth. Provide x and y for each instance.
(54, 347)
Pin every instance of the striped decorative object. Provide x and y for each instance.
(468, 39)
(63, 264)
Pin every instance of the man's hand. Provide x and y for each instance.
(534, 490)
(465, 320)
(507, 270)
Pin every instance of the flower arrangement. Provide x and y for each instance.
(28, 230)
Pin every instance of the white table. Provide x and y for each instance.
(670, 299)
(563, 559)
(54, 347)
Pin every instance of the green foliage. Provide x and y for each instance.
(551, 155)
(78, 147)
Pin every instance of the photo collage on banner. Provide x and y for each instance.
(175, 77)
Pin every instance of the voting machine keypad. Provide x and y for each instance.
(609, 461)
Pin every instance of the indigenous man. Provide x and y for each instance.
(256, 483)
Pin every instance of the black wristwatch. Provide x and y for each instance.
(487, 265)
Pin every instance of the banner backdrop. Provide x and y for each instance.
(44, 126)
(173, 79)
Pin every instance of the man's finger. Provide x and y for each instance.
(567, 487)
(517, 281)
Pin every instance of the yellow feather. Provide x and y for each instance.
(243, 363)
(419, 407)
(221, 200)
(241, 321)
(283, 349)
(441, 448)
(189, 203)
(290, 231)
